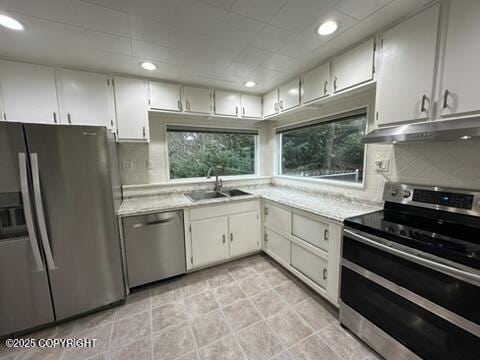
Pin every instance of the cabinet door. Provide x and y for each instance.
(277, 246)
(353, 67)
(131, 108)
(406, 74)
(289, 95)
(244, 233)
(278, 218)
(309, 264)
(197, 100)
(29, 93)
(226, 103)
(85, 97)
(315, 83)
(209, 240)
(461, 78)
(270, 103)
(251, 106)
(165, 96)
(312, 231)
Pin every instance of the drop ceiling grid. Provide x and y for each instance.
(218, 43)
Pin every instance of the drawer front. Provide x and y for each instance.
(203, 212)
(278, 245)
(278, 218)
(312, 231)
(311, 265)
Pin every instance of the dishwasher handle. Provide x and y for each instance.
(156, 219)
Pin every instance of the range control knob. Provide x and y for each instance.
(406, 194)
(394, 191)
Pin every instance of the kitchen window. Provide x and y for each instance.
(192, 151)
(329, 149)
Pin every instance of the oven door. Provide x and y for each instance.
(431, 310)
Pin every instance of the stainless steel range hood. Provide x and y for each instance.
(444, 130)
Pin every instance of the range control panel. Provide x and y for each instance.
(461, 201)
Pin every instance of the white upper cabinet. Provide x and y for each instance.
(86, 98)
(131, 109)
(406, 74)
(197, 100)
(289, 94)
(460, 86)
(227, 103)
(315, 83)
(29, 93)
(353, 67)
(270, 103)
(251, 106)
(165, 96)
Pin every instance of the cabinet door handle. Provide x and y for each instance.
(281, 104)
(424, 100)
(231, 236)
(265, 237)
(69, 118)
(275, 106)
(243, 110)
(55, 117)
(143, 131)
(324, 274)
(266, 211)
(236, 110)
(223, 238)
(5, 116)
(325, 234)
(335, 84)
(445, 99)
(325, 87)
(187, 105)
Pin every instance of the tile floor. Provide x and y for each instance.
(248, 309)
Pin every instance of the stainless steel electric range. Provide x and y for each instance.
(410, 281)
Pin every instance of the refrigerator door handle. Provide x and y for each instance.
(27, 209)
(40, 213)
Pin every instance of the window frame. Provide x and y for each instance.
(325, 118)
(223, 177)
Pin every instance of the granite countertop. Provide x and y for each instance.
(328, 205)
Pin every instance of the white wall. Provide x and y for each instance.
(150, 160)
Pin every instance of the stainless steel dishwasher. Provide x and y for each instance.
(154, 246)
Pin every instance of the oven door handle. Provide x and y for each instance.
(446, 269)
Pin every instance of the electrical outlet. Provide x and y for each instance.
(381, 163)
(128, 165)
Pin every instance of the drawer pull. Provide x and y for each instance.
(324, 274)
(223, 238)
(231, 236)
(325, 234)
(266, 210)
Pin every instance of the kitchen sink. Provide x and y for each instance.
(205, 195)
(235, 192)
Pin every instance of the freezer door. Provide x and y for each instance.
(77, 223)
(24, 294)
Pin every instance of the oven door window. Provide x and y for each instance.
(451, 293)
(424, 333)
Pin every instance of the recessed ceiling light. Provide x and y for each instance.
(10, 23)
(466, 137)
(250, 84)
(327, 28)
(148, 65)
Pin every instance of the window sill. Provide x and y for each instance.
(212, 179)
(334, 183)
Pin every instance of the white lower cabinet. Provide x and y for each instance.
(222, 231)
(311, 265)
(209, 240)
(277, 246)
(306, 245)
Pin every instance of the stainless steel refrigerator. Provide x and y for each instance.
(60, 252)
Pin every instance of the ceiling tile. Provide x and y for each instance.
(166, 11)
(101, 19)
(238, 69)
(262, 10)
(253, 56)
(58, 10)
(266, 75)
(272, 38)
(281, 63)
(151, 52)
(296, 15)
(119, 5)
(360, 9)
(200, 16)
(151, 31)
(112, 43)
(199, 64)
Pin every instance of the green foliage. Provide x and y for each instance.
(325, 149)
(191, 154)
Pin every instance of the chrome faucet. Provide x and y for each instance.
(218, 181)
